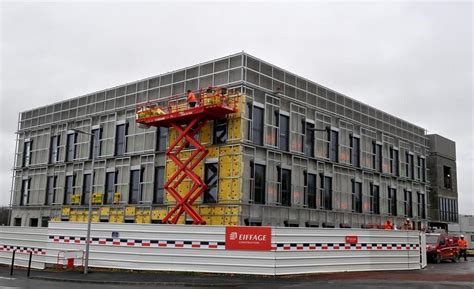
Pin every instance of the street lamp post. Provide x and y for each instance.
(89, 215)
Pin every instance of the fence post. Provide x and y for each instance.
(13, 262)
(29, 264)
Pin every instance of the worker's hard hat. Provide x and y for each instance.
(462, 236)
(408, 219)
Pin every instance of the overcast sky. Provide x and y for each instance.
(413, 60)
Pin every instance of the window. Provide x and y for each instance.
(377, 149)
(421, 205)
(33, 222)
(408, 200)
(374, 199)
(423, 169)
(394, 161)
(51, 190)
(95, 143)
(259, 183)
(448, 210)
(257, 125)
(220, 131)
(70, 147)
(410, 166)
(311, 190)
(134, 191)
(356, 197)
(334, 146)
(27, 153)
(211, 178)
(120, 146)
(25, 192)
(326, 198)
(284, 177)
(17, 222)
(162, 138)
(68, 190)
(54, 149)
(448, 183)
(109, 187)
(86, 189)
(309, 144)
(355, 151)
(44, 221)
(159, 195)
(284, 133)
(392, 201)
(249, 114)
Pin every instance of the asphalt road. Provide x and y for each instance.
(442, 276)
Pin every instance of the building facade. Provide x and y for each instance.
(443, 182)
(296, 154)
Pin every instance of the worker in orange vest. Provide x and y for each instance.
(388, 225)
(462, 247)
(191, 98)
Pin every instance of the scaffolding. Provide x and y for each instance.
(175, 111)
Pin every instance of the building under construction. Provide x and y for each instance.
(262, 146)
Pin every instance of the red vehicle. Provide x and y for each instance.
(440, 247)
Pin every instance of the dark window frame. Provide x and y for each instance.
(134, 189)
(25, 192)
(310, 140)
(259, 189)
(109, 189)
(312, 190)
(355, 151)
(220, 131)
(284, 133)
(159, 183)
(356, 197)
(69, 190)
(71, 139)
(326, 193)
(54, 145)
(408, 203)
(374, 199)
(211, 178)
(86, 189)
(334, 146)
(284, 178)
(27, 148)
(258, 125)
(392, 201)
(120, 139)
(95, 145)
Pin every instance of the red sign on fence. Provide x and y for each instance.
(351, 240)
(248, 238)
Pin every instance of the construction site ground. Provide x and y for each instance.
(444, 275)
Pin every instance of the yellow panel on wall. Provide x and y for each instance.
(158, 214)
(104, 211)
(129, 211)
(65, 211)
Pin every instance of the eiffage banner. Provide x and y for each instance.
(248, 238)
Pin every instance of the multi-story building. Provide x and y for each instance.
(443, 182)
(296, 154)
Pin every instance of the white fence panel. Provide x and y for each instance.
(24, 240)
(203, 248)
(313, 250)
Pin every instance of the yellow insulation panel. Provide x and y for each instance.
(65, 211)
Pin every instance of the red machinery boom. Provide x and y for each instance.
(174, 111)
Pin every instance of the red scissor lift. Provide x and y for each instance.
(174, 111)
